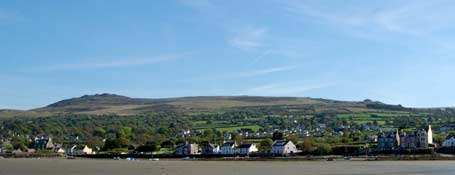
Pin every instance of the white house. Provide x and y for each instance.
(283, 147)
(246, 149)
(450, 141)
(228, 148)
(60, 151)
(78, 150)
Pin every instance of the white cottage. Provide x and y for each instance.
(246, 149)
(283, 147)
(228, 148)
(60, 151)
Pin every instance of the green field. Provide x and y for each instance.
(229, 128)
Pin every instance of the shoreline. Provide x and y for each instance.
(178, 167)
(259, 159)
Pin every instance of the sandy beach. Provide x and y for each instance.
(164, 167)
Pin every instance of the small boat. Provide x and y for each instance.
(155, 159)
(70, 157)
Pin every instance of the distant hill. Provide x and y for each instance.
(121, 105)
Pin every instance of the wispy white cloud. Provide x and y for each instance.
(245, 74)
(282, 89)
(261, 56)
(261, 72)
(249, 38)
(420, 18)
(413, 18)
(113, 63)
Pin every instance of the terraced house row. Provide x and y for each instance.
(279, 147)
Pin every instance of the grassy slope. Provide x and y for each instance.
(121, 105)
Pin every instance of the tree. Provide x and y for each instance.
(238, 138)
(293, 138)
(334, 140)
(124, 142)
(265, 145)
(149, 147)
(277, 136)
(439, 139)
(323, 148)
(180, 141)
(20, 142)
(345, 122)
(124, 132)
(208, 133)
(168, 144)
(110, 144)
(6, 146)
(346, 132)
(357, 137)
(94, 142)
(307, 146)
(99, 132)
(143, 138)
(163, 131)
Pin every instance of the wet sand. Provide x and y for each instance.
(163, 167)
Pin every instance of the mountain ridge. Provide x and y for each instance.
(99, 104)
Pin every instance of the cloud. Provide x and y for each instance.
(282, 89)
(368, 19)
(421, 18)
(249, 38)
(113, 63)
(266, 71)
(235, 76)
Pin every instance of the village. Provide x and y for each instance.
(396, 141)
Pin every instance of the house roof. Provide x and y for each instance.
(79, 147)
(390, 134)
(280, 142)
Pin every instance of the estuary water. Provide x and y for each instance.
(168, 167)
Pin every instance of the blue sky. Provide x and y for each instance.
(395, 51)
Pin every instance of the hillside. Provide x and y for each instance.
(121, 105)
(93, 118)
